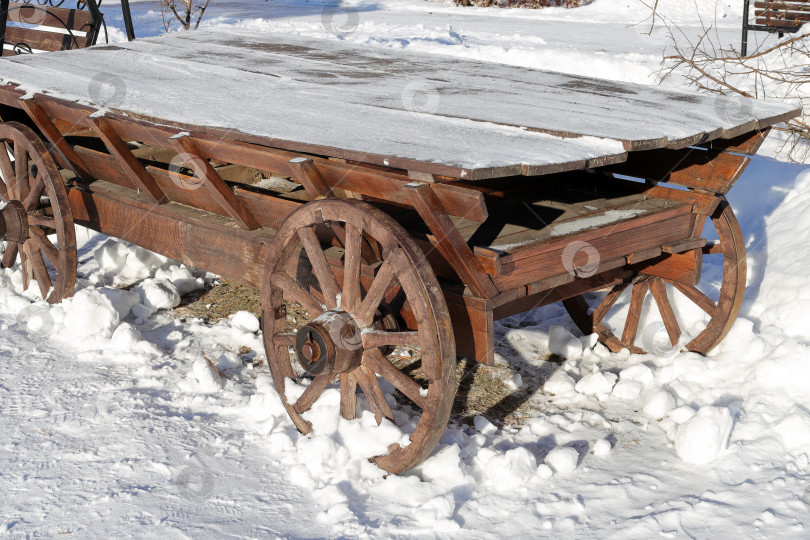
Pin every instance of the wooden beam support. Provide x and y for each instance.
(213, 183)
(65, 154)
(141, 179)
(305, 171)
(450, 242)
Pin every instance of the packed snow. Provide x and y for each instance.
(122, 421)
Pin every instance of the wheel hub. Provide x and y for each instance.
(332, 343)
(14, 222)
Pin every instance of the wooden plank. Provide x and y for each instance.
(452, 246)
(683, 245)
(683, 268)
(213, 184)
(547, 259)
(42, 40)
(701, 169)
(58, 17)
(136, 172)
(556, 294)
(193, 237)
(747, 143)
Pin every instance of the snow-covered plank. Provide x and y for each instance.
(644, 116)
(282, 113)
(424, 113)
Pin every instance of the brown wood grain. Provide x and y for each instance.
(213, 185)
(450, 243)
(702, 169)
(134, 169)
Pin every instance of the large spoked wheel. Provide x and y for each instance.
(721, 302)
(345, 285)
(36, 210)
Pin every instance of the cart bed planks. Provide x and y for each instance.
(398, 199)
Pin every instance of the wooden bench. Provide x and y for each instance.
(780, 16)
(28, 27)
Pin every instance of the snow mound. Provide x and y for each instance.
(562, 460)
(703, 437)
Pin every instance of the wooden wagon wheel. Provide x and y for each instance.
(358, 313)
(36, 208)
(722, 312)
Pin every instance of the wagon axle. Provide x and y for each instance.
(331, 343)
(14, 225)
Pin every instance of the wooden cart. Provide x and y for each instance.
(427, 197)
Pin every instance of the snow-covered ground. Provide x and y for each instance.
(115, 426)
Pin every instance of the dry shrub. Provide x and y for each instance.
(188, 13)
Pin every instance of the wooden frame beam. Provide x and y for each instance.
(450, 242)
(134, 169)
(65, 155)
(213, 183)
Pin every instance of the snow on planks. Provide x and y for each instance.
(475, 120)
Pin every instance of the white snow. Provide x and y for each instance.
(562, 460)
(121, 421)
(703, 437)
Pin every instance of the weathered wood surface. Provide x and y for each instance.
(424, 113)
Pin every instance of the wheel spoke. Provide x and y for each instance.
(375, 361)
(636, 303)
(320, 267)
(286, 339)
(608, 302)
(351, 268)
(25, 266)
(713, 248)
(10, 256)
(701, 300)
(380, 338)
(313, 392)
(348, 396)
(31, 201)
(39, 237)
(365, 313)
(21, 167)
(659, 292)
(294, 291)
(40, 272)
(42, 220)
(7, 170)
(371, 388)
